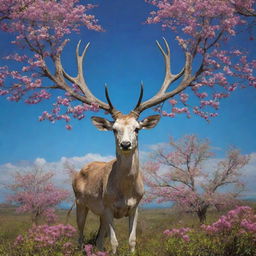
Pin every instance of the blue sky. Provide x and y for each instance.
(121, 56)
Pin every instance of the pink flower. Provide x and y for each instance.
(186, 238)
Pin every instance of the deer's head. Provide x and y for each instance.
(125, 127)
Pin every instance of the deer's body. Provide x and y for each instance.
(113, 189)
(108, 185)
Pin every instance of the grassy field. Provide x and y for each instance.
(150, 238)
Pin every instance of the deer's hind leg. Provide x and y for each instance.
(81, 214)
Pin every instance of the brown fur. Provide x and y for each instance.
(113, 189)
(97, 186)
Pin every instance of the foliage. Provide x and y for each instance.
(34, 193)
(205, 30)
(227, 236)
(179, 172)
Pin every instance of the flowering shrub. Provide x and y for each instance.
(46, 239)
(51, 240)
(232, 234)
(182, 233)
(241, 218)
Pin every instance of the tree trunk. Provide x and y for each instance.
(201, 213)
(35, 219)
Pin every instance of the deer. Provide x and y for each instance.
(114, 189)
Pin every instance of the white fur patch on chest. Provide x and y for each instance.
(131, 202)
(124, 207)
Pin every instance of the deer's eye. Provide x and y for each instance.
(136, 130)
(114, 130)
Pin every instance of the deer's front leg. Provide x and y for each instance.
(102, 233)
(133, 218)
(108, 216)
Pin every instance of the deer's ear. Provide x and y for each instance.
(101, 123)
(149, 122)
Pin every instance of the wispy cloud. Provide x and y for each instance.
(61, 177)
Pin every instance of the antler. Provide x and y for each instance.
(170, 78)
(86, 95)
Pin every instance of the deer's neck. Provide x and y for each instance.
(128, 163)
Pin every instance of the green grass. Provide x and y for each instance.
(150, 238)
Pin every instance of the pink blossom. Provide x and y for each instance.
(180, 233)
(173, 101)
(19, 239)
(68, 127)
(88, 248)
(35, 194)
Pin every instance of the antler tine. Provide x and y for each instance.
(167, 57)
(141, 95)
(78, 47)
(112, 110)
(107, 97)
(167, 48)
(169, 78)
(79, 80)
(80, 58)
(135, 110)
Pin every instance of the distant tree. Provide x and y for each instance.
(33, 193)
(183, 173)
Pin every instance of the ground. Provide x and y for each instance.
(150, 237)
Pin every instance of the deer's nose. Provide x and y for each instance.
(125, 144)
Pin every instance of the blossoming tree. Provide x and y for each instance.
(214, 65)
(41, 29)
(206, 30)
(33, 193)
(181, 172)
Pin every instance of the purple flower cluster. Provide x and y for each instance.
(45, 235)
(241, 218)
(248, 225)
(180, 233)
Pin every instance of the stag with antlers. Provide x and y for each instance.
(114, 189)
